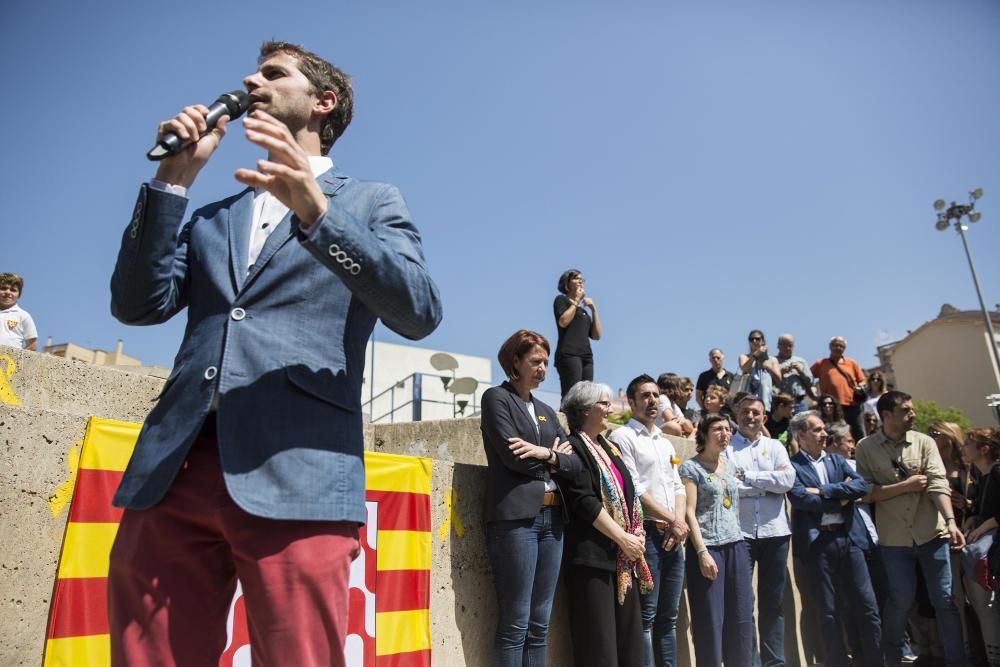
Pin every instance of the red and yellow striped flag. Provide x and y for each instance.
(389, 613)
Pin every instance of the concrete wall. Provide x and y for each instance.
(38, 439)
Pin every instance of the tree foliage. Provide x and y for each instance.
(929, 412)
(620, 418)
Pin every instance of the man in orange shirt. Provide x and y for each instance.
(838, 376)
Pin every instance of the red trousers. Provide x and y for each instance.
(174, 569)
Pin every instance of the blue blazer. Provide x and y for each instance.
(280, 347)
(808, 509)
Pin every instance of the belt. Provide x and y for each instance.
(832, 527)
(551, 499)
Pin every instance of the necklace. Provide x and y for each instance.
(727, 498)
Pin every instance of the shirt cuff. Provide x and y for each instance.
(310, 230)
(169, 188)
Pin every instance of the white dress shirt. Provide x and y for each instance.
(649, 455)
(828, 518)
(767, 476)
(268, 212)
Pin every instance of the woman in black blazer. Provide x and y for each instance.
(525, 446)
(605, 541)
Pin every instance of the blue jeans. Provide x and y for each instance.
(771, 556)
(660, 605)
(525, 556)
(934, 561)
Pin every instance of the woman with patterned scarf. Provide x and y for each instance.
(604, 539)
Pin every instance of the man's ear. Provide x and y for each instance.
(325, 103)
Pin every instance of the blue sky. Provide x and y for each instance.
(711, 167)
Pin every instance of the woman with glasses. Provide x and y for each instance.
(763, 370)
(605, 541)
(871, 423)
(526, 450)
(829, 410)
(876, 387)
(578, 324)
(718, 560)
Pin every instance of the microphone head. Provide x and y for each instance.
(236, 102)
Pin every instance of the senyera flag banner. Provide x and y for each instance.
(389, 615)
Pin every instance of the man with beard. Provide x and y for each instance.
(651, 460)
(251, 464)
(916, 524)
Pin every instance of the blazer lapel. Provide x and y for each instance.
(806, 469)
(240, 217)
(329, 182)
(831, 470)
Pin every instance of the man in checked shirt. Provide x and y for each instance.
(765, 475)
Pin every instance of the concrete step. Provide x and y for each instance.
(47, 382)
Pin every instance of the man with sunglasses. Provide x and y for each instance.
(916, 525)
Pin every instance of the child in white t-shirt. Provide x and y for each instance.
(17, 329)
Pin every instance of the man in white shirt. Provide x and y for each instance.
(17, 329)
(765, 476)
(652, 461)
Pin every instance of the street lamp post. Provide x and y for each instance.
(952, 216)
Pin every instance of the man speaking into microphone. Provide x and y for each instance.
(251, 466)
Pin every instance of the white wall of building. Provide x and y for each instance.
(390, 365)
(950, 363)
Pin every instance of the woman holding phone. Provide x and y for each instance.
(578, 324)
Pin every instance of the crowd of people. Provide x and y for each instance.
(813, 460)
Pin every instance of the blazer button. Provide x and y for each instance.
(211, 372)
(333, 249)
(356, 269)
(237, 314)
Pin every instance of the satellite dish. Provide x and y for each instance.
(442, 361)
(938, 204)
(464, 386)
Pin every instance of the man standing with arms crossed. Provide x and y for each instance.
(916, 525)
(251, 464)
(765, 475)
(649, 457)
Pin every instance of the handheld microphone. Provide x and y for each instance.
(232, 104)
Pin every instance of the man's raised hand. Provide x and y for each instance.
(285, 173)
(188, 125)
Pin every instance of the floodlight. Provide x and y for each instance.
(464, 386)
(442, 361)
(974, 216)
(938, 204)
(977, 193)
(941, 225)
